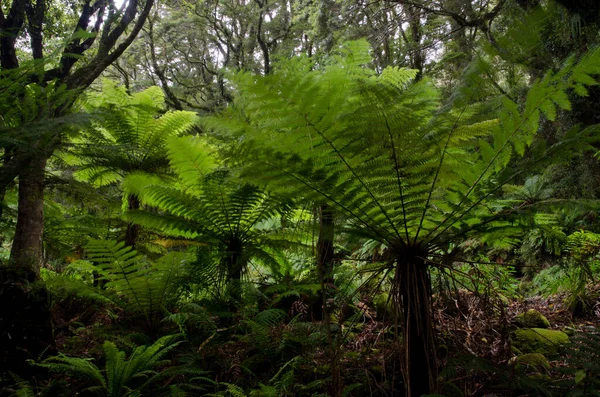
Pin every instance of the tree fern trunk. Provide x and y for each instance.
(133, 230)
(412, 286)
(325, 270)
(235, 267)
(324, 257)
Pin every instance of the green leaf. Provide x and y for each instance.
(580, 376)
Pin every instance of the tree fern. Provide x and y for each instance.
(127, 137)
(379, 150)
(208, 209)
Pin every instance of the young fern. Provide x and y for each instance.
(148, 288)
(142, 373)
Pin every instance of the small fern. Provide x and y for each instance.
(575, 274)
(582, 365)
(142, 373)
(148, 288)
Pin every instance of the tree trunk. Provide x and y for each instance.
(417, 57)
(412, 293)
(26, 252)
(25, 323)
(133, 230)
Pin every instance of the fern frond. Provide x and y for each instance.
(149, 288)
(121, 375)
(80, 368)
(270, 317)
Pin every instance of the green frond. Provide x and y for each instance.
(121, 375)
(192, 159)
(81, 368)
(127, 135)
(270, 317)
(149, 288)
(218, 214)
(382, 150)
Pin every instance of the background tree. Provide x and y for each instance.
(28, 162)
(108, 30)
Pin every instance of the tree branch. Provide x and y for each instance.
(85, 75)
(35, 17)
(9, 30)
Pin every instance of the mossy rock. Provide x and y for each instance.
(539, 340)
(532, 361)
(532, 319)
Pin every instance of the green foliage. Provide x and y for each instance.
(278, 385)
(67, 229)
(149, 288)
(291, 288)
(259, 330)
(378, 151)
(506, 379)
(141, 287)
(384, 154)
(28, 109)
(583, 245)
(144, 372)
(216, 215)
(127, 135)
(573, 277)
(490, 281)
(583, 367)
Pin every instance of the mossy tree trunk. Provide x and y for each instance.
(27, 248)
(25, 323)
(412, 294)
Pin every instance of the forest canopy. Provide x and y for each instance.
(289, 198)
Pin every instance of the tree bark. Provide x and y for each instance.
(25, 324)
(27, 248)
(417, 57)
(412, 292)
